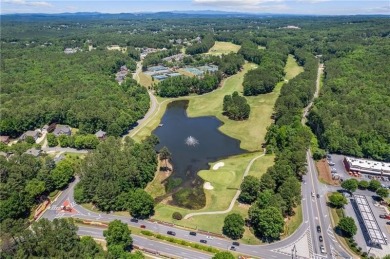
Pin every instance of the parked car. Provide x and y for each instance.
(235, 243)
(320, 238)
(203, 241)
(331, 163)
(388, 222)
(134, 220)
(192, 233)
(318, 195)
(171, 233)
(232, 248)
(384, 216)
(209, 237)
(312, 194)
(318, 229)
(142, 226)
(322, 248)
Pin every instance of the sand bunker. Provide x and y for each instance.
(218, 165)
(208, 186)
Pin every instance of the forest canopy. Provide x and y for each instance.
(44, 85)
(110, 173)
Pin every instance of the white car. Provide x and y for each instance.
(322, 248)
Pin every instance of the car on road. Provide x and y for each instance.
(235, 243)
(134, 220)
(209, 237)
(331, 163)
(192, 233)
(320, 238)
(233, 248)
(171, 233)
(384, 216)
(203, 241)
(322, 249)
(312, 194)
(388, 222)
(142, 226)
(318, 195)
(318, 229)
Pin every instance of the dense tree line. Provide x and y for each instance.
(156, 57)
(33, 80)
(59, 239)
(45, 239)
(278, 191)
(236, 107)
(111, 174)
(263, 79)
(183, 85)
(229, 64)
(352, 115)
(79, 141)
(251, 52)
(297, 93)
(133, 53)
(207, 42)
(24, 179)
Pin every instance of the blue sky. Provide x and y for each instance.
(320, 7)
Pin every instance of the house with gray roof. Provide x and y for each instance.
(30, 133)
(34, 152)
(100, 134)
(62, 130)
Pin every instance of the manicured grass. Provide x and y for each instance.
(294, 222)
(260, 166)
(261, 47)
(292, 69)
(222, 47)
(250, 132)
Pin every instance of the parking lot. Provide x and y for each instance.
(339, 168)
(362, 237)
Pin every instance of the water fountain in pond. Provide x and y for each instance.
(191, 141)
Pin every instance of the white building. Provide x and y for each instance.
(366, 166)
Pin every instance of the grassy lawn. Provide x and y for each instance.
(294, 222)
(155, 188)
(292, 69)
(250, 132)
(222, 47)
(261, 47)
(145, 80)
(261, 165)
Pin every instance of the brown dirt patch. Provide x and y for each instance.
(324, 173)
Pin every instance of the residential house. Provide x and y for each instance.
(62, 130)
(30, 133)
(100, 134)
(5, 139)
(34, 152)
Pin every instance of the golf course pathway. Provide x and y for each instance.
(248, 167)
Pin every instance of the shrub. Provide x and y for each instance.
(147, 233)
(177, 215)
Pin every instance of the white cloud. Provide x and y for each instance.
(28, 3)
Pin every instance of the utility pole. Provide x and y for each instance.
(294, 249)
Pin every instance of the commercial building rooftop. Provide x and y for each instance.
(374, 232)
(366, 166)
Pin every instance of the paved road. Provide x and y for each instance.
(66, 197)
(151, 245)
(248, 167)
(64, 149)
